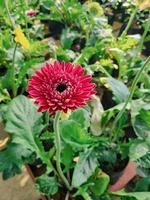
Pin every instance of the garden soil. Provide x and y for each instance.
(19, 187)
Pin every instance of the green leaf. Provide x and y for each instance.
(141, 124)
(12, 159)
(143, 184)
(85, 55)
(138, 150)
(67, 157)
(85, 167)
(137, 195)
(100, 184)
(73, 134)
(46, 185)
(144, 161)
(81, 116)
(24, 122)
(68, 37)
(119, 89)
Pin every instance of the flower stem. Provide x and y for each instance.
(58, 149)
(124, 33)
(86, 196)
(147, 27)
(133, 87)
(43, 155)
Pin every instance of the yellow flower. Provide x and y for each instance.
(21, 38)
(95, 9)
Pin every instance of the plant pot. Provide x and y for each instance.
(128, 174)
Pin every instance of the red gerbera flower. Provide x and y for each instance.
(60, 86)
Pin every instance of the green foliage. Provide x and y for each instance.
(119, 89)
(143, 184)
(24, 122)
(68, 37)
(67, 156)
(137, 195)
(85, 167)
(141, 124)
(74, 135)
(82, 117)
(138, 150)
(100, 184)
(12, 158)
(46, 185)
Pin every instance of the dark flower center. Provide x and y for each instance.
(61, 87)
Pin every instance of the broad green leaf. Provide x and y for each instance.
(12, 159)
(137, 150)
(73, 134)
(81, 116)
(100, 184)
(141, 124)
(24, 122)
(67, 156)
(137, 195)
(84, 168)
(46, 185)
(119, 89)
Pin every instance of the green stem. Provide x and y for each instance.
(43, 155)
(104, 71)
(124, 33)
(133, 87)
(86, 196)
(13, 72)
(47, 161)
(143, 36)
(58, 149)
(8, 13)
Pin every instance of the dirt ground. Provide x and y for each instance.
(19, 187)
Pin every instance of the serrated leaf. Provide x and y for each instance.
(24, 122)
(73, 134)
(84, 168)
(46, 185)
(12, 159)
(81, 116)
